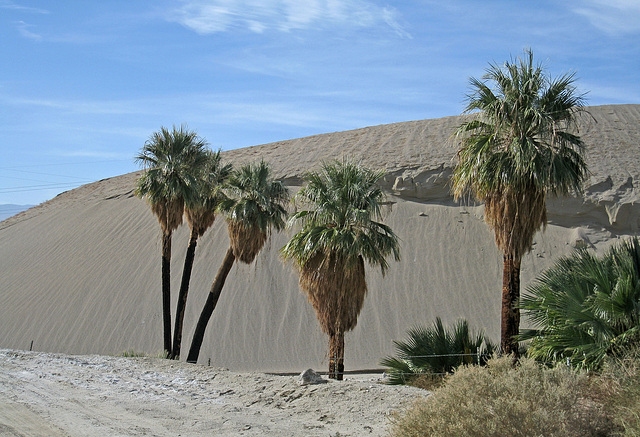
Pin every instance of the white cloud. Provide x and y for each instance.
(23, 29)
(6, 4)
(612, 16)
(211, 16)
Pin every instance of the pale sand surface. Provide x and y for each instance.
(49, 395)
(81, 273)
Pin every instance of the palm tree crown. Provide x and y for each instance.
(200, 209)
(518, 148)
(171, 160)
(346, 204)
(254, 205)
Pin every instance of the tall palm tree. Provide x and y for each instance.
(515, 151)
(586, 307)
(253, 206)
(171, 160)
(337, 235)
(200, 212)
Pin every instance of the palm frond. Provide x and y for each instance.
(586, 307)
(437, 350)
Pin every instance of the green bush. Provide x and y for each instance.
(436, 351)
(586, 307)
(503, 400)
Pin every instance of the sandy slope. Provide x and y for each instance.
(81, 273)
(47, 395)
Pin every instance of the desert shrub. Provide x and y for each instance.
(131, 353)
(436, 351)
(586, 307)
(503, 400)
(619, 388)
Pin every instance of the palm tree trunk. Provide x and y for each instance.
(182, 296)
(210, 305)
(510, 324)
(336, 355)
(166, 291)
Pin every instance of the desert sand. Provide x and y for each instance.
(80, 274)
(50, 395)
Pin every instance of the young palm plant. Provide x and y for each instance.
(437, 350)
(338, 234)
(200, 212)
(171, 160)
(254, 205)
(586, 307)
(517, 149)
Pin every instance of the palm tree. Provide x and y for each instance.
(200, 212)
(253, 206)
(514, 152)
(437, 350)
(171, 160)
(338, 234)
(586, 307)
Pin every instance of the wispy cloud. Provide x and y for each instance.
(615, 17)
(75, 106)
(6, 4)
(207, 17)
(23, 29)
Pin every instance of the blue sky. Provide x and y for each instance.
(84, 83)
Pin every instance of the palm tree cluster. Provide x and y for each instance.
(183, 177)
(516, 148)
(586, 307)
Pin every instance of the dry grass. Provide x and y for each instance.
(246, 241)
(619, 389)
(500, 400)
(335, 290)
(169, 214)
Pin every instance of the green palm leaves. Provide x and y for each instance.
(586, 307)
(172, 160)
(437, 350)
(346, 206)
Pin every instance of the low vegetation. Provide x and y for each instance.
(529, 400)
(429, 353)
(586, 307)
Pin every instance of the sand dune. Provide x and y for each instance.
(81, 273)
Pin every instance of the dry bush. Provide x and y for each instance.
(619, 389)
(500, 400)
(426, 381)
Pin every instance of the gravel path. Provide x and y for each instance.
(64, 395)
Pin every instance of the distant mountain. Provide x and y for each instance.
(8, 209)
